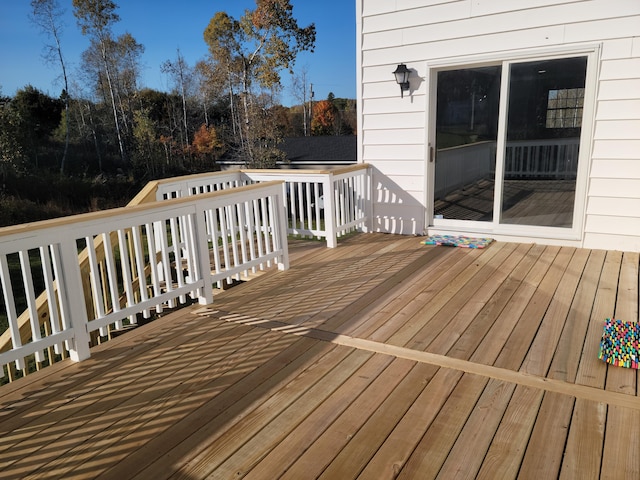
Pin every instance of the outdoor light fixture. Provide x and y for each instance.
(402, 77)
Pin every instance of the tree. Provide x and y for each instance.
(95, 18)
(206, 145)
(324, 118)
(11, 152)
(126, 53)
(47, 15)
(39, 115)
(252, 51)
(181, 76)
(208, 83)
(299, 90)
(148, 146)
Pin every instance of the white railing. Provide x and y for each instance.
(106, 268)
(310, 211)
(555, 159)
(463, 165)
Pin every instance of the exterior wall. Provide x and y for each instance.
(394, 131)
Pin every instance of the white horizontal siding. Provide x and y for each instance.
(411, 187)
(617, 130)
(394, 120)
(540, 37)
(522, 20)
(617, 48)
(623, 89)
(398, 206)
(619, 187)
(622, 68)
(396, 168)
(619, 27)
(614, 206)
(429, 15)
(612, 241)
(628, 109)
(374, 106)
(395, 152)
(422, 32)
(621, 149)
(613, 224)
(405, 136)
(378, 7)
(612, 169)
(493, 7)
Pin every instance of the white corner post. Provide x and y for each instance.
(73, 303)
(368, 200)
(280, 228)
(330, 211)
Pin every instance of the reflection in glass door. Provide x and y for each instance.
(466, 133)
(543, 137)
(538, 165)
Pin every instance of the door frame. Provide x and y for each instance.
(576, 232)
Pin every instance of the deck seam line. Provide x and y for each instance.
(584, 392)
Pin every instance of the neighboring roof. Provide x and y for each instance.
(311, 152)
(331, 149)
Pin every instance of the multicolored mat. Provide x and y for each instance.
(457, 241)
(619, 344)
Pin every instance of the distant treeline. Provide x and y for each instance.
(105, 136)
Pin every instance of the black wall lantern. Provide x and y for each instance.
(402, 77)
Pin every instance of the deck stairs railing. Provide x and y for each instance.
(69, 283)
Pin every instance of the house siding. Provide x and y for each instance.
(394, 130)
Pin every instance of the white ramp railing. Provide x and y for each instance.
(140, 259)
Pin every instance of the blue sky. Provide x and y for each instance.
(163, 26)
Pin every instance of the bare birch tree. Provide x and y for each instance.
(95, 18)
(47, 14)
(254, 50)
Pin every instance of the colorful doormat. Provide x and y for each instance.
(457, 241)
(619, 344)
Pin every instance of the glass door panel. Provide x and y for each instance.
(466, 132)
(544, 121)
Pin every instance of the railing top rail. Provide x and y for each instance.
(291, 171)
(93, 217)
(198, 176)
(146, 195)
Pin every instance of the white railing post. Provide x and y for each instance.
(74, 314)
(202, 260)
(280, 232)
(330, 211)
(368, 202)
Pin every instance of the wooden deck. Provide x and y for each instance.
(379, 359)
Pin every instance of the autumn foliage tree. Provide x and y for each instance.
(324, 118)
(250, 53)
(206, 145)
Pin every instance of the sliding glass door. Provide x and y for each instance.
(509, 157)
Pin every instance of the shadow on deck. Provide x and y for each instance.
(382, 358)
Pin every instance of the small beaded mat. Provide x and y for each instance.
(619, 344)
(457, 241)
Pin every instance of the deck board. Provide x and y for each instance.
(445, 421)
(379, 359)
